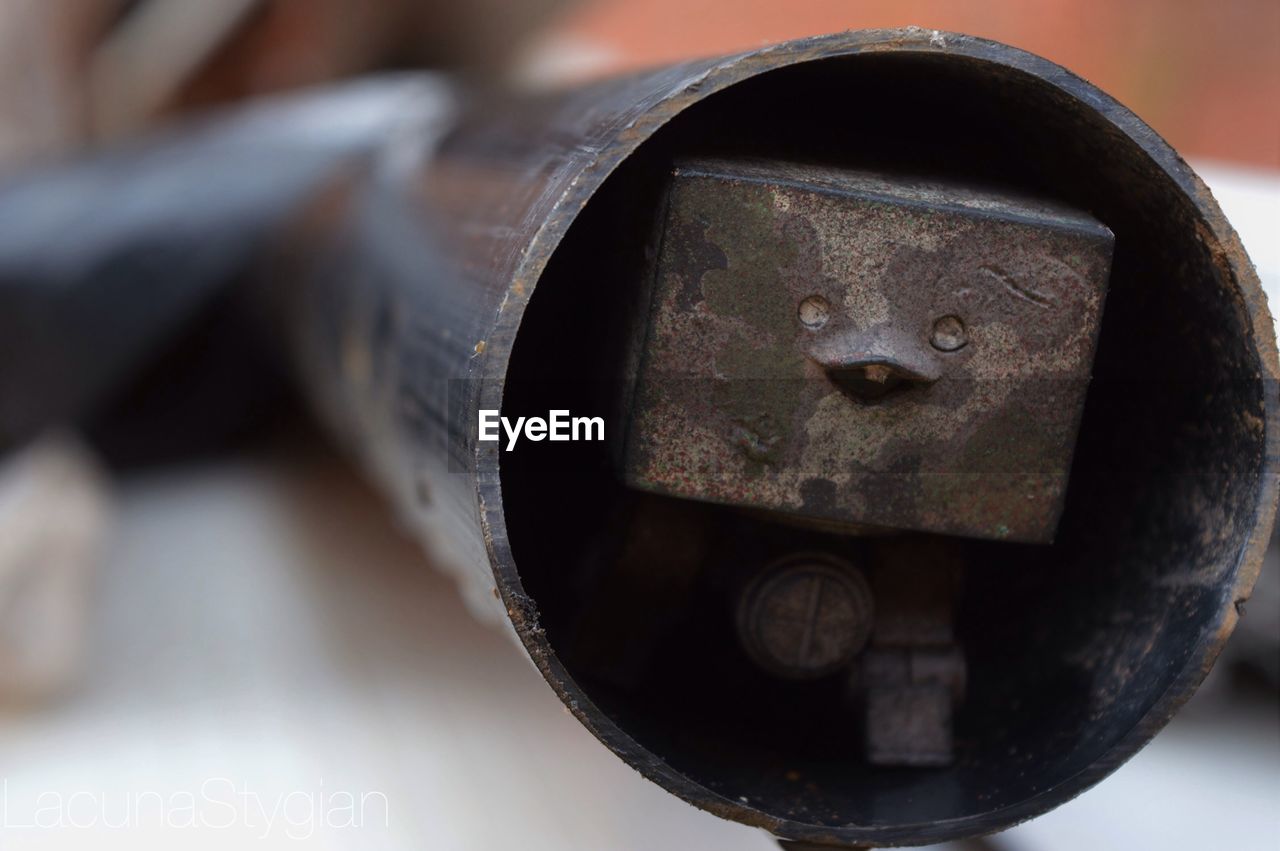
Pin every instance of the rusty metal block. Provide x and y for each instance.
(865, 350)
(909, 725)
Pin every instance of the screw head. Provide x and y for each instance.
(805, 616)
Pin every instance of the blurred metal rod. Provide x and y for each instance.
(103, 259)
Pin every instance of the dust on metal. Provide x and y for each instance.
(866, 349)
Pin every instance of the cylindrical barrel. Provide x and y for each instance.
(500, 268)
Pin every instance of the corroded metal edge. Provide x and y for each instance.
(660, 96)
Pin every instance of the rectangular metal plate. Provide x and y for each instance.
(852, 348)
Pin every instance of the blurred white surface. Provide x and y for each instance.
(54, 516)
(1250, 199)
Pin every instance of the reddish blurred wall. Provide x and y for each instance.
(1204, 73)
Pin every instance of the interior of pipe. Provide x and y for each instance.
(1068, 645)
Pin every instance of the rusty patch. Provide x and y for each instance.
(868, 350)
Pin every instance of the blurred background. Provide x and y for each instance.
(1203, 73)
(260, 623)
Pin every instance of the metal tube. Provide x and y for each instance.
(458, 273)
